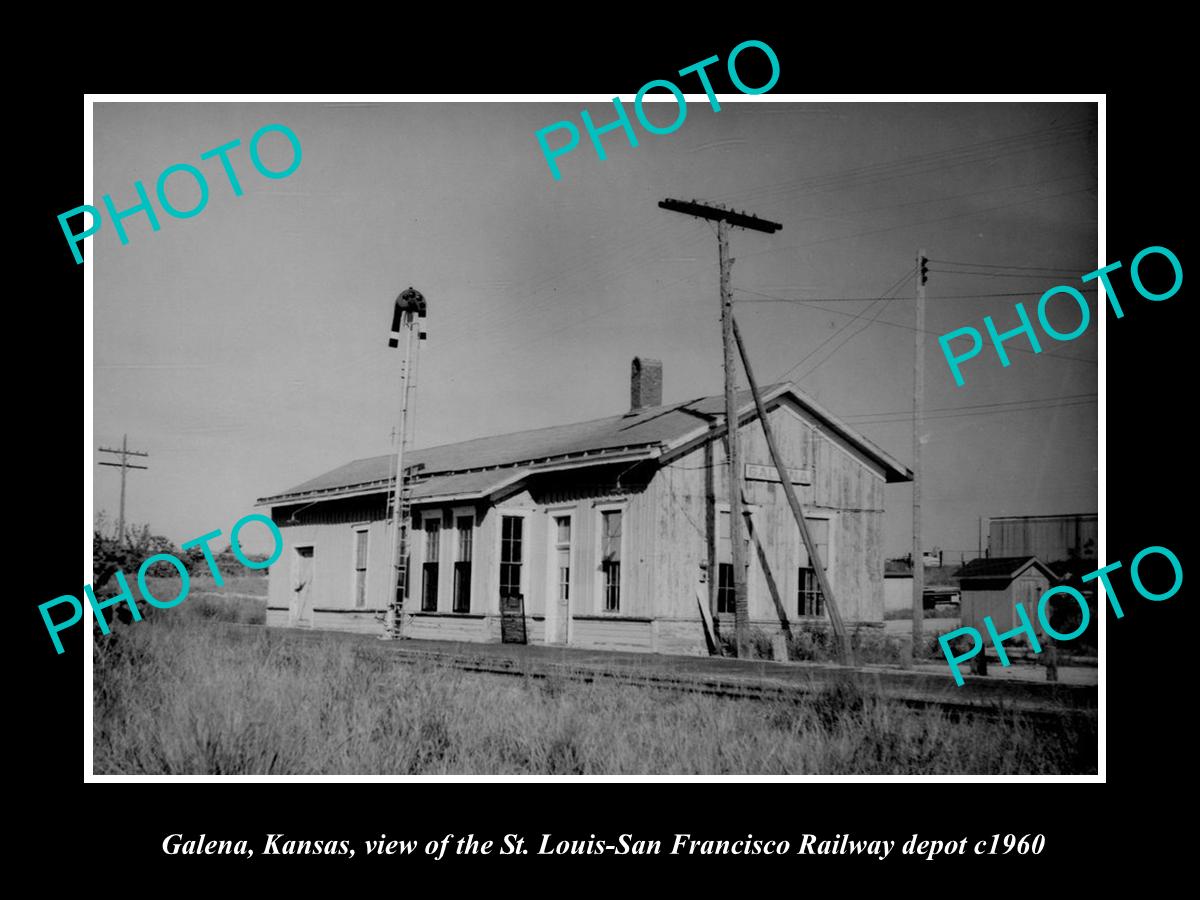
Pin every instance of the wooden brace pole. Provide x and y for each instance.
(772, 586)
(835, 617)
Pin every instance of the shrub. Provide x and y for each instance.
(761, 644)
(814, 644)
(873, 646)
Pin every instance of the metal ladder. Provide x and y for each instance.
(394, 615)
(410, 306)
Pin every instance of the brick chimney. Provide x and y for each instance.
(645, 384)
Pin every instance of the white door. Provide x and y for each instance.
(558, 590)
(302, 569)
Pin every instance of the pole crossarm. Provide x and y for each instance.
(124, 465)
(719, 214)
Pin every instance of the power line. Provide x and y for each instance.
(983, 265)
(906, 418)
(967, 406)
(849, 214)
(866, 324)
(877, 321)
(853, 317)
(995, 274)
(962, 215)
(928, 163)
(768, 298)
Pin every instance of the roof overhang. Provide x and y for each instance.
(506, 479)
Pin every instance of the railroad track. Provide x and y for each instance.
(995, 701)
(733, 688)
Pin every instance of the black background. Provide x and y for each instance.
(1148, 706)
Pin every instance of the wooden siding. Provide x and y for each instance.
(610, 633)
(1000, 603)
(1049, 538)
(668, 524)
(332, 585)
(844, 488)
(323, 620)
(448, 627)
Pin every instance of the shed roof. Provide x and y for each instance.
(599, 440)
(1001, 567)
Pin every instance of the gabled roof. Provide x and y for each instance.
(644, 434)
(1001, 567)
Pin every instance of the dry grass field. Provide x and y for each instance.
(183, 693)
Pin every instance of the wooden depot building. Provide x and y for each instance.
(603, 534)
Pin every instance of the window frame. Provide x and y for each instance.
(426, 521)
(721, 567)
(459, 514)
(494, 579)
(818, 595)
(830, 517)
(599, 598)
(354, 568)
(753, 565)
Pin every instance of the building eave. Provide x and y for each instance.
(520, 473)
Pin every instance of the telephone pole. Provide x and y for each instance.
(741, 603)
(124, 464)
(918, 554)
(724, 219)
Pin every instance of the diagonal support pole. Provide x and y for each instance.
(772, 586)
(835, 617)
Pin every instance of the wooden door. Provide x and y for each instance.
(558, 589)
(302, 588)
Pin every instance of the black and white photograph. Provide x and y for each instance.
(537, 437)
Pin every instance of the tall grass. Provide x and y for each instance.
(183, 693)
(815, 643)
(203, 583)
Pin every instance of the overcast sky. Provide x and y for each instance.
(245, 348)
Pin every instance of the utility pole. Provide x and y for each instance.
(724, 219)
(918, 554)
(124, 464)
(741, 606)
